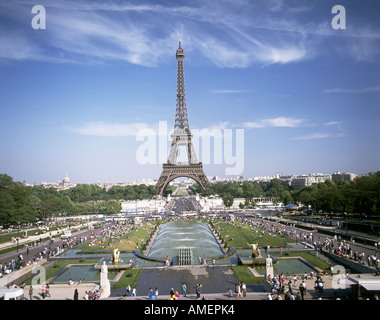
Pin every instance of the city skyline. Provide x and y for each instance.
(74, 95)
(151, 180)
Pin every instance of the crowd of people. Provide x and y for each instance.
(45, 252)
(345, 250)
(90, 295)
(333, 244)
(240, 291)
(173, 294)
(113, 232)
(284, 286)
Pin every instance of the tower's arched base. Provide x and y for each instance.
(173, 171)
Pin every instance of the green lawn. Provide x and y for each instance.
(129, 241)
(240, 235)
(243, 274)
(129, 277)
(182, 192)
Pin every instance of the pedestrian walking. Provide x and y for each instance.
(76, 294)
(156, 293)
(30, 293)
(184, 288)
(316, 286)
(238, 289)
(302, 291)
(198, 291)
(244, 289)
(320, 287)
(290, 286)
(150, 294)
(43, 292)
(47, 291)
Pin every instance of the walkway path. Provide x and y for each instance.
(66, 292)
(213, 279)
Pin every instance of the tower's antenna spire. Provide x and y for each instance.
(179, 39)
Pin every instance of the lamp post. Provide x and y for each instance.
(345, 219)
(18, 234)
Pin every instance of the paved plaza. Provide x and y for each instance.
(215, 283)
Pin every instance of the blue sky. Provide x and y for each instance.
(74, 95)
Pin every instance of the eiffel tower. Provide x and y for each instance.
(181, 137)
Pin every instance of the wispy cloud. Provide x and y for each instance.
(234, 34)
(362, 90)
(16, 47)
(144, 34)
(332, 123)
(275, 122)
(314, 136)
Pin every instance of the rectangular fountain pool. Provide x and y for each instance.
(85, 273)
(288, 266)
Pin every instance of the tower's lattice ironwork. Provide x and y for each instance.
(181, 137)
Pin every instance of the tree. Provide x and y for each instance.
(228, 200)
(274, 188)
(248, 191)
(117, 192)
(112, 207)
(16, 201)
(50, 205)
(80, 193)
(307, 196)
(286, 197)
(366, 190)
(344, 199)
(7, 207)
(67, 206)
